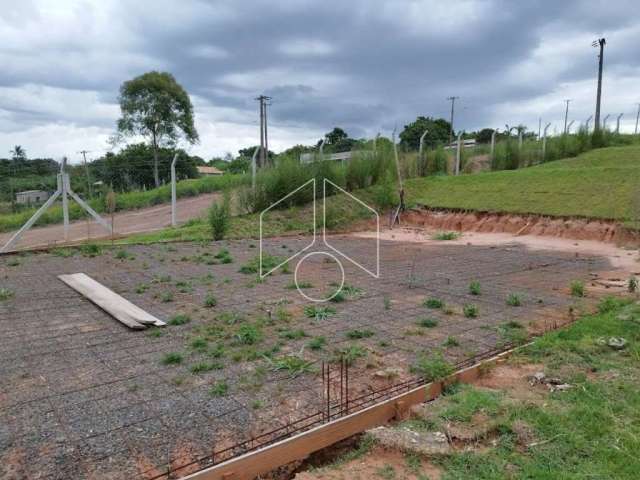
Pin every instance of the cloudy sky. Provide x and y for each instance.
(364, 65)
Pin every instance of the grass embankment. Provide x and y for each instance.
(591, 430)
(597, 184)
(126, 201)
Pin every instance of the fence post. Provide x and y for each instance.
(421, 148)
(618, 123)
(544, 141)
(253, 169)
(65, 200)
(173, 191)
(458, 153)
(493, 145)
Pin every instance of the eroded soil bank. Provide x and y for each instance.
(571, 228)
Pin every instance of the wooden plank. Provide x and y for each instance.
(115, 305)
(264, 460)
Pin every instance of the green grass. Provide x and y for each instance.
(5, 294)
(514, 300)
(474, 288)
(577, 288)
(432, 367)
(470, 310)
(445, 236)
(598, 184)
(433, 303)
(179, 319)
(358, 334)
(427, 322)
(172, 358)
(219, 389)
(317, 343)
(589, 431)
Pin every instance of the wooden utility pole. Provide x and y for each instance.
(599, 43)
(86, 171)
(566, 114)
(264, 140)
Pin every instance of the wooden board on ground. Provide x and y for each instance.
(115, 305)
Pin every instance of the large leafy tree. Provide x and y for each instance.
(438, 132)
(155, 105)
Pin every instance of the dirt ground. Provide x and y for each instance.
(82, 397)
(125, 223)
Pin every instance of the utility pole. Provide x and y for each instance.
(264, 143)
(539, 127)
(599, 43)
(453, 102)
(566, 114)
(86, 171)
(618, 123)
(637, 118)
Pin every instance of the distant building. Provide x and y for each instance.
(209, 171)
(32, 196)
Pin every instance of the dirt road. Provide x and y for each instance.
(132, 221)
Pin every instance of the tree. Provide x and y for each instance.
(154, 105)
(438, 132)
(336, 135)
(18, 153)
(484, 135)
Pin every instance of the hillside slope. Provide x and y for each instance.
(599, 184)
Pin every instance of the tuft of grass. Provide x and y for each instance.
(387, 302)
(451, 342)
(248, 335)
(513, 333)
(427, 322)
(141, 288)
(269, 262)
(292, 364)
(293, 334)
(219, 389)
(468, 401)
(155, 332)
(172, 358)
(358, 334)
(91, 250)
(470, 310)
(317, 343)
(350, 353)
(301, 285)
(122, 254)
(203, 367)
(474, 288)
(179, 319)
(632, 284)
(319, 313)
(5, 294)
(63, 252)
(445, 236)
(432, 367)
(199, 343)
(166, 296)
(577, 288)
(224, 256)
(433, 303)
(514, 300)
(337, 296)
(210, 301)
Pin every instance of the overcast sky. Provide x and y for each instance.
(364, 65)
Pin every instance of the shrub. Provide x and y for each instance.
(433, 367)
(219, 389)
(319, 313)
(220, 217)
(451, 342)
(91, 250)
(446, 236)
(358, 334)
(632, 284)
(248, 335)
(5, 294)
(210, 301)
(293, 364)
(317, 343)
(350, 354)
(474, 288)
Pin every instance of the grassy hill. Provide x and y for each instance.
(598, 184)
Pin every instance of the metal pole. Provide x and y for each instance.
(86, 171)
(174, 222)
(266, 138)
(618, 123)
(601, 43)
(637, 118)
(321, 148)
(453, 101)
(569, 126)
(566, 114)
(422, 146)
(544, 141)
(458, 153)
(253, 169)
(539, 127)
(587, 122)
(520, 135)
(395, 154)
(65, 200)
(604, 122)
(260, 99)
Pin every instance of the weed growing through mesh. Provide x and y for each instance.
(513, 333)
(122, 254)
(141, 288)
(199, 343)
(474, 288)
(224, 256)
(470, 310)
(179, 319)
(358, 334)
(219, 389)
(451, 342)
(172, 358)
(210, 301)
(203, 367)
(166, 297)
(91, 250)
(248, 335)
(432, 367)
(317, 343)
(514, 300)
(427, 322)
(268, 263)
(293, 334)
(433, 303)
(319, 313)
(349, 354)
(301, 285)
(5, 294)
(294, 365)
